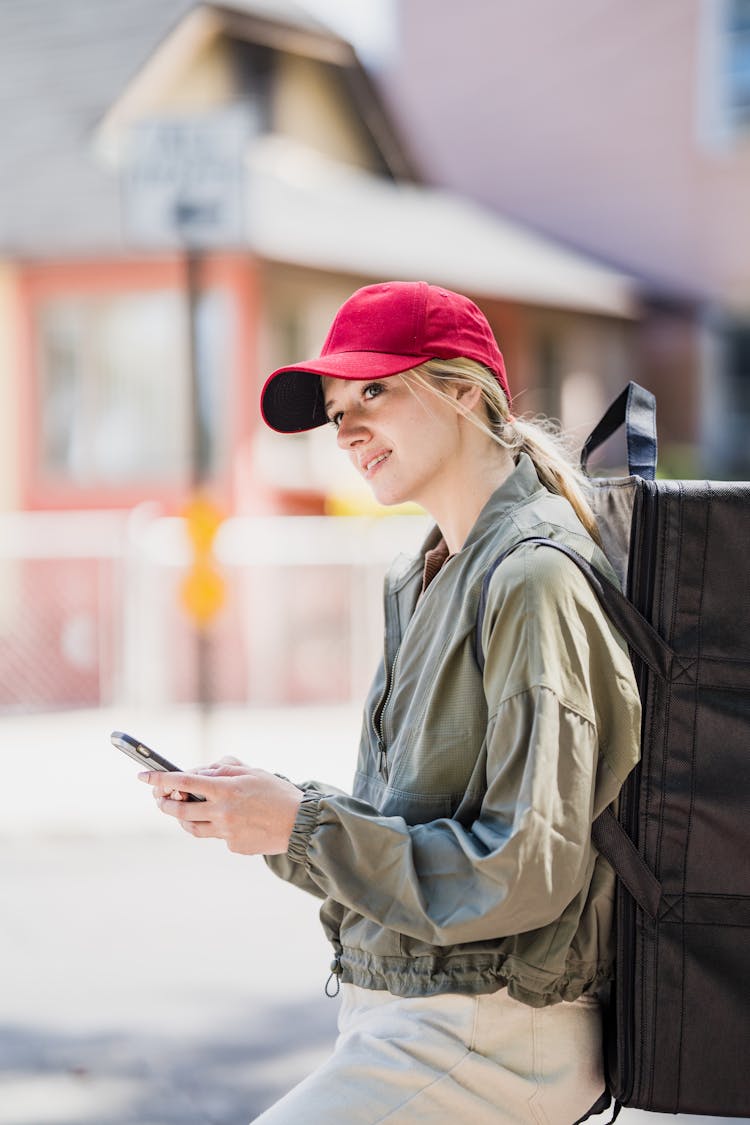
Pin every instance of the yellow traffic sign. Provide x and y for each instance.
(203, 591)
(202, 520)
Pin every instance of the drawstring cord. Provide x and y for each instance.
(335, 975)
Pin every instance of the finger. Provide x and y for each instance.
(227, 770)
(164, 783)
(200, 829)
(190, 811)
(221, 766)
(172, 795)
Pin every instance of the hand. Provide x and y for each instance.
(251, 810)
(210, 770)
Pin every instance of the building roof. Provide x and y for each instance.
(66, 70)
(63, 66)
(304, 208)
(272, 24)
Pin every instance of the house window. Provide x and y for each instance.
(114, 397)
(724, 72)
(737, 64)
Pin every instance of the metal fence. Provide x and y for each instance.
(91, 614)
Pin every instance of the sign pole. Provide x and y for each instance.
(203, 590)
(184, 187)
(198, 468)
(199, 425)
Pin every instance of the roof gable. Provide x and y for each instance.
(68, 71)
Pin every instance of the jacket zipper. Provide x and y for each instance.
(378, 719)
(379, 712)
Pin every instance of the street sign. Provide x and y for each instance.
(203, 591)
(183, 181)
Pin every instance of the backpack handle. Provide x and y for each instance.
(636, 408)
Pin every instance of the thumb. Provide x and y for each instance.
(165, 782)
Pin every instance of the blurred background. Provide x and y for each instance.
(187, 193)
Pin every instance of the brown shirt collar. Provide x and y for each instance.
(433, 562)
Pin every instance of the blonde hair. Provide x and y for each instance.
(538, 437)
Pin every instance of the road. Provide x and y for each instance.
(149, 978)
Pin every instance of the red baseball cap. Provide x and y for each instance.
(381, 330)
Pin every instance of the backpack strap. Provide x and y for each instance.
(601, 1105)
(636, 408)
(609, 837)
(639, 633)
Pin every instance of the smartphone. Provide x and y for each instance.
(145, 757)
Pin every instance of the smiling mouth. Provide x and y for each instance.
(372, 464)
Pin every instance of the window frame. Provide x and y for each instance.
(718, 128)
(41, 283)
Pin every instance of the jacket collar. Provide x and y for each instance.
(518, 488)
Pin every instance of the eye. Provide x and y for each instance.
(369, 391)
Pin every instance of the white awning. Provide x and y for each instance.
(308, 210)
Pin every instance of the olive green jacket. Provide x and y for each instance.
(463, 860)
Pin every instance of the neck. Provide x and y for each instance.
(456, 509)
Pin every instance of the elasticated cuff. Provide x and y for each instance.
(304, 825)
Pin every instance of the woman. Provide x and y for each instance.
(469, 914)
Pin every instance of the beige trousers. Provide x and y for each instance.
(468, 1060)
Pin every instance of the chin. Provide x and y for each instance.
(389, 499)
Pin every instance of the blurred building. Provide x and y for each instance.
(622, 128)
(119, 119)
(94, 342)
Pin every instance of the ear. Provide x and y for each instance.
(468, 397)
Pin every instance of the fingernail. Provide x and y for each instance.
(143, 776)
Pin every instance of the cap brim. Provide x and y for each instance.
(292, 399)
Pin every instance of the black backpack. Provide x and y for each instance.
(677, 1028)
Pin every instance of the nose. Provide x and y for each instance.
(351, 431)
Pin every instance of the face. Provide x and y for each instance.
(400, 438)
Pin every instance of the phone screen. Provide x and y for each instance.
(145, 756)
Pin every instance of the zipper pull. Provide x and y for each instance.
(383, 762)
(336, 971)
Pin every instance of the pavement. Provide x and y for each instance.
(147, 978)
